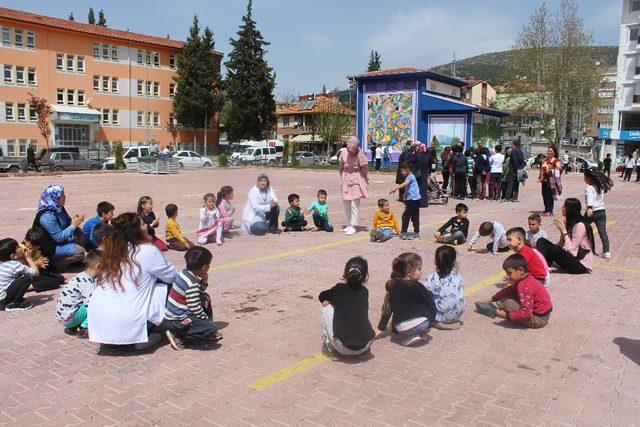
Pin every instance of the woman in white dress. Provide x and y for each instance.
(133, 276)
(262, 209)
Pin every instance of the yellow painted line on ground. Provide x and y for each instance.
(618, 268)
(483, 284)
(611, 222)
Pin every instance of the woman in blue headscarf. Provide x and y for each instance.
(60, 245)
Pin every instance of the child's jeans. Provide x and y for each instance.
(495, 185)
(333, 342)
(411, 212)
(192, 329)
(456, 237)
(80, 318)
(178, 245)
(16, 290)
(322, 223)
(387, 233)
(295, 224)
(534, 322)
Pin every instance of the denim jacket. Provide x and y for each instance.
(59, 227)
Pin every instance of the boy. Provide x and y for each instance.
(294, 217)
(100, 234)
(535, 267)
(498, 237)
(319, 210)
(524, 301)
(411, 204)
(534, 232)
(471, 164)
(459, 224)
(104, 215)
(496, 163)
(47, 280)
(175, 239)
(385, 223)
(73, 301)
(606, 164)
(17, 270)
(189, 314)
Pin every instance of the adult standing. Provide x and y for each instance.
(353, 168)
(549, 179)
(133, 276)
(31, 158)
(516, 165)
(262, 209)
(424, 166)
(483, 150)
(481, 169)
(60, 242)
(460, 173)
(445, 158)
(399, 177)
(565, 161)
(378, 156)
(574, 252)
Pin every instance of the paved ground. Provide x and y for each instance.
(584, 368)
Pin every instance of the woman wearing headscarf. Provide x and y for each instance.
(353, 175)
(262, 210)
(60, 241)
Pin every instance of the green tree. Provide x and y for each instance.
(91, 19)
(374, 61)
(102, 21)
(332, 124)
(71, 18)
(249, 84)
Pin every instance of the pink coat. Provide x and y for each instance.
(353, 176)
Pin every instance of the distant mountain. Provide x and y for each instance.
(495, 67)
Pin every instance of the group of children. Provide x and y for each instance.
(294, 215)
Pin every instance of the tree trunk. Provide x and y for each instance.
(205, 134)
(194, 139)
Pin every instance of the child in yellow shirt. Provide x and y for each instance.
(175, 239)
(385, 223)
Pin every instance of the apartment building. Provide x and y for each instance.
(600, 120)
(479, 92)
(103, 84)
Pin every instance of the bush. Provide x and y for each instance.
(285, 153)
(294, 150)
(223, 160)
(118, 152)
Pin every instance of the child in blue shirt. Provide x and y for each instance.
(104, 214)
(411, 204)
(320, 208)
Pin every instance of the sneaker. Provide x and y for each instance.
(374, 235)
(219, 243)
(416, 236)
(287, 229)
(82, 333)
(330, 353)
(410, 340)
(486, 309)
(410, 236)
(351, 231)
(451, 326)
(403, 236)
(606, 255)
(424, 336)
(18, 306)
(275, 231)
(70, 331)
(175, 342)
(216, 337)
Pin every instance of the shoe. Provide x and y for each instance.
(424, 336)
(344, 230)
(286, 229)
(409, 236)
(175, 342)
(70, 331)
(486, 309)
(18, 306)
(82, 333)
(217, 336)
(351, 231)
(219, 243)
(416, 236)
(380, 236)
(403, 236)
(373, 234)
(410, 340)
(606, 255)
(275, 231)
(329, 353)
(451, 326)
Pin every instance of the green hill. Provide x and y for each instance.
(495, 67)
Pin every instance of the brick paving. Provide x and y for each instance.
(583, 368)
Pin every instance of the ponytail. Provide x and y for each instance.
(356, 271)
(401, 266)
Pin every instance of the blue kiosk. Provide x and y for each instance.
(409, 104)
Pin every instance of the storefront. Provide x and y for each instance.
(74, 126)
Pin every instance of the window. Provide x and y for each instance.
(31, 40)
(105, 84)
(70, 61)
(20, 75)
(114, 52)
(6, 36)
(105, 51)
(114, 85)
(172, 118)
(156, 59)
(33, 117)
(80, 64)
(80, 97)
(115, 121)
(633, 34)
(96, 83)
(148, 57)
(149, 118)
(71, 95)
(60, 96)
(172, 61)
(605, 109)
(140, 87)
(105, 116)
(635, 6)
(140, 118)
(140, 56)
(96, 50)
(8, 111)
(285, 121)
(8, 74)
(17, 34)
(156, 88)
(11, 147)
(172, 90)
(22, 147)
(156, 119)
(148, 88)
(22, 112)
(31, 77)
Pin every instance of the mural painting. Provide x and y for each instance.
(390, 118)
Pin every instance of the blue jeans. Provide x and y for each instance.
(322, 223)
(387, 232)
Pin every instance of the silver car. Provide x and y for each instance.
(70, 161)
(306, 158)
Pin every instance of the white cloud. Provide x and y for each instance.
(429, 36)
(317, 40)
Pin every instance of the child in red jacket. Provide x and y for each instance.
(524, 301)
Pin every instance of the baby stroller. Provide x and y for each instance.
(436, 194)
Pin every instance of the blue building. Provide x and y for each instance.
(409, 104)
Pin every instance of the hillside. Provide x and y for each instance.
(495, 66)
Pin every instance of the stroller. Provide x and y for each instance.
(436, 194)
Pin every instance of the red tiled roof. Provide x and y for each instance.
(401, 70)
(320, 104)
(65, 24)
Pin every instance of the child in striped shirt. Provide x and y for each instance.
(189, 315)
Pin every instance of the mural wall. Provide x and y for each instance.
(390, 118)
(445, 130)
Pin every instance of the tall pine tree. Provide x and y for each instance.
(71, 18)
(102, 21)
(249, 84)
(91, 19)
(374, 61)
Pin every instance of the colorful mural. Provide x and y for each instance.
(390, 118)
(446, 130)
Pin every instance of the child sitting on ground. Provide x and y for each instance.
(345, 313)
(145, 211)
(447, 288)
(175, 239)
(104, 215)
(226, 210)
(319, 210)
(17, 270)
(189, 314)
(534, 232)
(498, 235)
(385, 223)
(294, 217)
(73, 301)
(210, 223)
(458, 227)
(524, 301)
(46, 280)
(535, 265)
(410, 304)
(411, 204)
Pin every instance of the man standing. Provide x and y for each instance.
(516, 164)
(378, 156)
(565, 162)
(483, 150)
(31, 158)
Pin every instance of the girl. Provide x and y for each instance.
(223, 203)
(145, 211)
(447, 288)
(345, 308)
(597, 184)
(262, 209)
(209, 222)
(549, 178)
(574, 252)
(411, 304)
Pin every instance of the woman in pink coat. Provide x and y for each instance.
(353, 174)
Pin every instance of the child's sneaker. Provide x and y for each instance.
(373, 234)
(18, 306)
(175, 342)
(410, 340)
(451, 326)
(403, 236)
(410, 236)
(606, 255)
(486, 309)
(380, 236)
(216, 337)
(329, 353)
(82, 333)
(416, 236)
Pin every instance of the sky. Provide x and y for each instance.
(321, 42)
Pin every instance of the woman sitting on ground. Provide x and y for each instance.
(133, 276)
(574, 252)
(59, 244)
(262, 209)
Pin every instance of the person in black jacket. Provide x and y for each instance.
(516, 164)
(409, 305)
(345, 313)
(459, 173)
(480, 170)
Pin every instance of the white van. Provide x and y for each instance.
(242, 146)
(130, 157)
(259, 155)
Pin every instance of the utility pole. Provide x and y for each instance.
(205, 133)
(453, 64)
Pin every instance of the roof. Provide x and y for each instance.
(70, 109)
(401, 70)
(96, 30)
(410, 71)
(312, 106)
(443, 103)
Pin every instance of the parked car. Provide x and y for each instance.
(192, 159)
(261, 156)
(333, 160)
(130, 157)
(12, 164)
(584, 163)
(59, 161)
(306, 158)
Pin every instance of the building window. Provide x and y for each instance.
(115, 120)
(6, 36)
(172, 118)
(148, 57)
(96, 83)
(31, 77)
(140, 87)
(31, 40)
(8, 111)
(80, 64)
(60, 96)
(149, 118)
(105, 84)
(140, 118)
(635, 6)
(70, 61)
(114, 52)
(285, 121)
(172, 61)
(156, 119)
(633, 34)
(80, 97)
(20, 75)
(71, 95)
(156, 89)
(96, 50)
(140, 56)
(114, 85)
(59, 61)
(11, 147)
(148, 88)
(156, 59)
(22, 147)
(22, 112)
(8, 74)
(32, 115)
(172, 90)
(17, 37)
(105, 116)
(605, 109)
(105, 51)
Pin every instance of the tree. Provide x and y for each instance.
(332, 122)
(91, 19)
(324, 89)
(249, 84)
(71, 18)
(374, 61)
(173, 129)
(102, 21)
(43, 110)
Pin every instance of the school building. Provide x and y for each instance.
(104, 85)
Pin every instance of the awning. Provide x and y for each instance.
(75, 114)
(305, 138)
(432, 102)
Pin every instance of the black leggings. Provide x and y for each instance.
(47, 282)
(411, 212)
(554, 253)
(16, 290)
(547, 197)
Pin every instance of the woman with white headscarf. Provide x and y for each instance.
(354, 168)
(262, 210)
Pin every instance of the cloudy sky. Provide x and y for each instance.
(316, 42)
